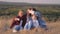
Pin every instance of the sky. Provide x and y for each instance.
(35, 1)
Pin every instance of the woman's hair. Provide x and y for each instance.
(34, 9)
(21, 10)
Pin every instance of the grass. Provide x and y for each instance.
(50, 14)
(53, 28)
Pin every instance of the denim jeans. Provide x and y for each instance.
(31, 24)
(42, 23)
(17, 27)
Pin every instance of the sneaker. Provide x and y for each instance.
(14, 31)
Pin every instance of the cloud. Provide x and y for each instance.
(36, 1)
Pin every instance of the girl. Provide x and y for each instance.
(17, 22)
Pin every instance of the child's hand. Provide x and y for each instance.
(16, 19)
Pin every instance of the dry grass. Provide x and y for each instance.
(53, 28)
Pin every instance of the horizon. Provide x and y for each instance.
(35, 1)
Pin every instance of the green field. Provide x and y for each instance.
(50, 13)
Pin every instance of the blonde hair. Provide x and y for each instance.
(20, 12)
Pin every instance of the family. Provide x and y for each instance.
(32, 19)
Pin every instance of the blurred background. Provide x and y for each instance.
(50, 10)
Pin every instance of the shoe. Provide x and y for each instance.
(14, 31)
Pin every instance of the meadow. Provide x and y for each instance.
(51, 14)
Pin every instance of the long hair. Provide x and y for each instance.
(34, 9)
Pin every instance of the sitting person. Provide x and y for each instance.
(32, 23)
(17, 22)
(39, 16)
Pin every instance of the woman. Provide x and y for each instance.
(17, 22)
(32, 23)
